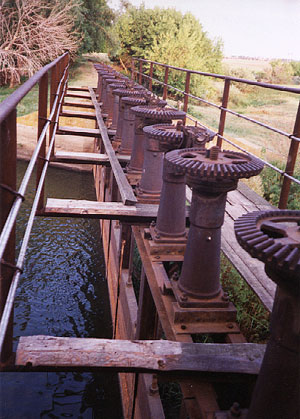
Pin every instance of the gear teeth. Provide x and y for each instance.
(280, 253)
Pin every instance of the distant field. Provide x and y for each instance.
(246, 63)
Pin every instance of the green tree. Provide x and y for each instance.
(94, 21)
(168, 36)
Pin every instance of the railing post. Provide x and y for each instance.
(8, 179)
(223, 112)
(42, 119)
(290, 164)
(141, 73)
(186, 92)
(53, 89)
(165, 92)
(132, 70)
(150, 75)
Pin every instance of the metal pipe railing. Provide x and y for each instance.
(38, 157)
(294, 136)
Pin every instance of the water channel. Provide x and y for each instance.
(62, 292)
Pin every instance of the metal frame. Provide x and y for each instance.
(293, 136)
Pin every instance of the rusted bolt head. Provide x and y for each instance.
(235, 410)
(161, 363)
(152, 224)
(183, 297)
(183, 326)
(157, 257)
(157, 236)
(230, 326)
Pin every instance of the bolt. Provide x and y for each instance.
(161, 363)
(175, 276)
(157, 257)
(183, 326)
(214, 153)
(157, 236)
(183, 297)
(152, 224)
(235, 410)
(154, 385)
(230, 326)
(208, 238)
(225, 297)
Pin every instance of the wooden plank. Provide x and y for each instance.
(82, 132)
(87, 158)
(78, 88)
(77, 114)
(136, 356)
(79, 104)
(78, 95)
(106, 210)
(125, 189)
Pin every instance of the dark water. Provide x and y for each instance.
(62, 292)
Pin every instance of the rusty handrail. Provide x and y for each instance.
(12, 206)
(294, 137)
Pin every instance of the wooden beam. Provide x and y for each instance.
(78, 95)
(139, 356)
(126, 192)
(140, 213)
(78, 89)
(87, 158)
(82, 132)
(78, 114)
(79, 104)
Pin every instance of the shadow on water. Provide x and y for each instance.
(62, 292)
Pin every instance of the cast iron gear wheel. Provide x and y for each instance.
(134, 100)
(170, 136)
(158, 113)
(128, 92)
(274, 238)
(213, 164)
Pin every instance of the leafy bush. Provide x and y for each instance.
(272, 182)
(168, 36)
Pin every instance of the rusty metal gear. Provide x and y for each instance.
(123, 92)
(196, 136)
(169, 136)
(274, 238)
(134, 100)
(158, 113)
(213, 164)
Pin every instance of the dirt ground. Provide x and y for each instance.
(27, 125)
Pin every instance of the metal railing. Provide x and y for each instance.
(137, 72)
(11, 199)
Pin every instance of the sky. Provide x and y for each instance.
(253, 28)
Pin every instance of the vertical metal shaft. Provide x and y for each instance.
(165, 91)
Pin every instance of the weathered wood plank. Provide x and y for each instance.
(78, 95)
(135, 356)
(79, 104)
(87, 158)
(125, 189)
(78, 114)
(78, 88)
(82, 132)
(106, 210)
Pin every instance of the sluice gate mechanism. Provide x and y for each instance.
(168, 195)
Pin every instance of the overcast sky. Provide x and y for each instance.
(254, 28)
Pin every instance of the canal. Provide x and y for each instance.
(62, 292)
